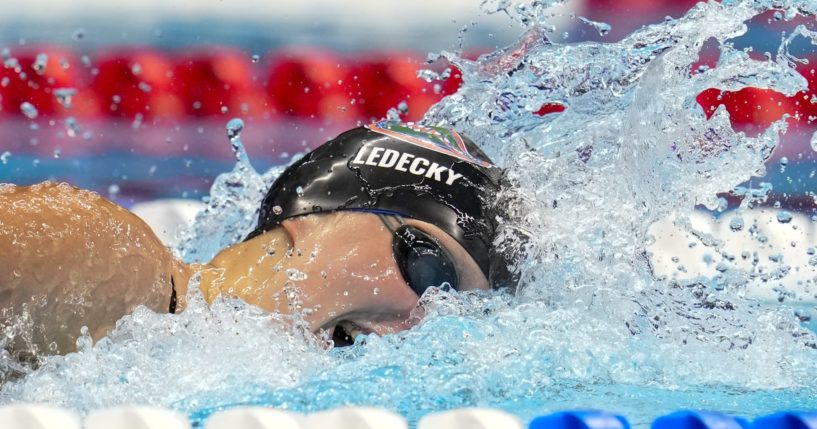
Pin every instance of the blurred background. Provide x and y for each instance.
(131, 99)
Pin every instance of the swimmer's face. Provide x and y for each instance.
(352, 277)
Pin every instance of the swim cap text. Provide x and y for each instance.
(405, 162)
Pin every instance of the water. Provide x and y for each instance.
(591, 326)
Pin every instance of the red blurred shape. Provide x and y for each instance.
(806, 101)
(640, 7)
(33, 75)
(218, 81)
(755, 106)
(549, 108)
(136, 83)
(383, 82)
(311, 83)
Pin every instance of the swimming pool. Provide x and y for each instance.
(593, 327)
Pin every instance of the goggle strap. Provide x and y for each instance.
(386, 219)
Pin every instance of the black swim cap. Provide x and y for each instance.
(427, 173)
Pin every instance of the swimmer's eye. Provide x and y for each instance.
(423, 262)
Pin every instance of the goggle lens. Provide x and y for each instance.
(422, 261)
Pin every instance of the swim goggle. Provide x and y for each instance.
(423, 262)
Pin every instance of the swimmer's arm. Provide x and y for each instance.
(70, 258)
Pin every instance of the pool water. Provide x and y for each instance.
(590, 327)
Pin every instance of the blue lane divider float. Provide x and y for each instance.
(684, 419)
(786, 420)
(699, 420)
(585, 419)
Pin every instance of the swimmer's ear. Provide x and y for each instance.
(300, 227)
(294, 228)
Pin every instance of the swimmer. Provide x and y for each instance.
(350, 236)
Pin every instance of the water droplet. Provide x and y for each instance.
(84, 342)
(137, 121)
(295, 275)
(72, 128)
(428, 75)
(4, 157)
(277, 210)
(784, 161)
(29, 110)
(65, 96)
(784, 216)
(403, 107)
(376, 291)
(224, 109)
(144, 86)
(811, 251)
(736, 224)
(234, 128)
(300, 191)
(57, 153)
(256, 58)
(778, 16)
(136, 68)
(79, 33)
(113, 190)
(393, 115)
(12, 63)
(40, 63)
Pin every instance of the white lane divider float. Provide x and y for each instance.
(470, 418)
(255, 418)
(29, 416)
(136, 417)
(355, 418)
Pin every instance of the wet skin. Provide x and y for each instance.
(70, 258)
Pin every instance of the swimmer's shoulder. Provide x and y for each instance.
(63, 210)
(59, 197)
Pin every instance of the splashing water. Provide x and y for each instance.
(590, 327)
(234, 198)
